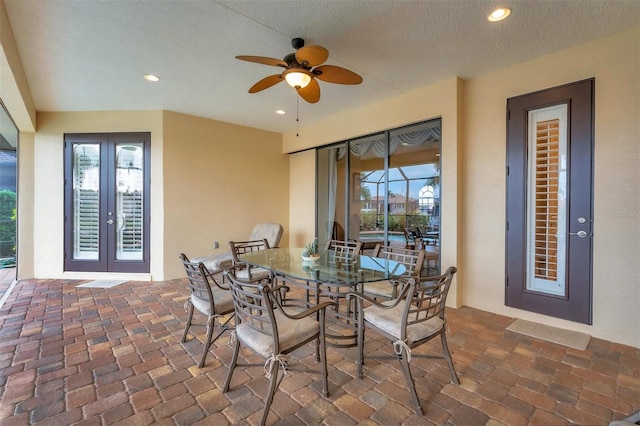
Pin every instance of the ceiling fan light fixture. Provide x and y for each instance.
(499, 14)
(297, 78)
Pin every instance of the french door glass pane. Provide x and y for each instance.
(547, 248)
(86, 201)
(129, 201)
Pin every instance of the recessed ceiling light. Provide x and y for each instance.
(280, 112)
(499, 14)
(151, 77)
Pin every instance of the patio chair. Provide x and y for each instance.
(411, 238)
(245, 271)
(412, 259)
(213, 301)
(272, 331)
(412, 319)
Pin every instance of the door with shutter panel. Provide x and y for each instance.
(107, 202)
(549, 202)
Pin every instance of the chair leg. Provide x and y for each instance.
(275, 366)
(211, 323)
(323, 359)
(447, 356)
(189, 318)
(360, 339)
(232, 366)
(404, 363)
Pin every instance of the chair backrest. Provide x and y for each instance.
(198, 281)
(272, 232)
(343, 251)
(412, 259)
(241, 247)
(427, 299)
(254, 305)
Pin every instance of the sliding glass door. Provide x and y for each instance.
(375, 188)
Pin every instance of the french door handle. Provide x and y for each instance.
(580, 234)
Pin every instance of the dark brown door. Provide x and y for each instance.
(549, 201)
(107, 202)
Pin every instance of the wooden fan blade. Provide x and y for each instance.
(311, 92)
(312, 55)
(263, 60)
(334, 74)
(266, 82)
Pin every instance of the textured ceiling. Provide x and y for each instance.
(90, 55)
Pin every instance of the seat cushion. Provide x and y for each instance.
(390, 321)
(291, 332)
(223, 302)
(379, 288)
(256, 274)
(216, 263)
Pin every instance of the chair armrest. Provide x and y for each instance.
(212, 279)
(410, 282)
(312, 310)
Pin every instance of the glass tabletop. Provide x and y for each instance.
(327, 269)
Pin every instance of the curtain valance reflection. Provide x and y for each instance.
(377, 144)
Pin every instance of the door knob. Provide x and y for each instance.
(580, 234)
(110, 221)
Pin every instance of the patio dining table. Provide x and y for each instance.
(329, 277)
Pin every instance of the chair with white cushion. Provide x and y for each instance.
(245, 271)
(415, 317)
(214, 301)
(271, 331)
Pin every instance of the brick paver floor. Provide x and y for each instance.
(81, 356)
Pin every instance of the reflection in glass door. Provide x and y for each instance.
(107, 202)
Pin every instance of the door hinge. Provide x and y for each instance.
(508, 115)
(507, 281)
(507, 225)
(508, 170)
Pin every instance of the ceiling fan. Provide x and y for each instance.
(299, 71)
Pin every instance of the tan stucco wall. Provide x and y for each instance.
(220, 180)
(614, 62)
(473, 181)
(26, 211)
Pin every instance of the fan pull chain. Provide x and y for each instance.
(297, 115)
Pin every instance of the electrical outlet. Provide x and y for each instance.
(216, 245)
